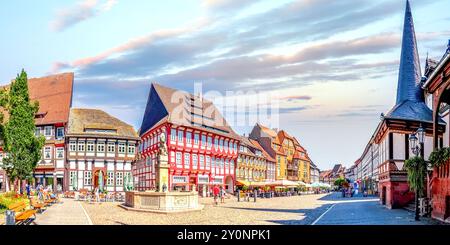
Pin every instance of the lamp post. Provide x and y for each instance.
(416, 141)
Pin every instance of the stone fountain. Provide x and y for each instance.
(162, 200)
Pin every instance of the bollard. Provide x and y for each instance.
(10, 217)
(239, 195)
(254, 195)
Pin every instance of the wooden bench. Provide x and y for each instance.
(38, 206)
(23, 215)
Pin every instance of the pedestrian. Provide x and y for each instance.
(27, 187)
(222, 195)
(40, 192)
(216, 192)
(97, 194)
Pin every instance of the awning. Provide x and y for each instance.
(250, 183)
(284, 183)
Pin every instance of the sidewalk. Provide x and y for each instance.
(68, 212)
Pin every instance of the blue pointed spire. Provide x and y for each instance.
(409, 76)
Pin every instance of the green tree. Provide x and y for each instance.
(23, 148)
(339, 182)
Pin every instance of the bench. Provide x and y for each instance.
(38, 206)
(22, 214)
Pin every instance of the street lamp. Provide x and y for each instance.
(416, 141)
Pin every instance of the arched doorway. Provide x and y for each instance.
(99, 181)
(229, 184)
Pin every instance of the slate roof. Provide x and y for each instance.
(410, 103)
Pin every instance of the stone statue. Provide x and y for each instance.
(162, 145)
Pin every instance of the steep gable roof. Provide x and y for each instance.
(184, 109)
(54, 94)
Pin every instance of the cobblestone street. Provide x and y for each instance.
(323, 209)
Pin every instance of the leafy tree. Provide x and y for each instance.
(339, 182)
(23, 148)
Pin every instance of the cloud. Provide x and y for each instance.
(82, 11)
(226, 5)
(296, 97)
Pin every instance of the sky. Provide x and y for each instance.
(332, 66)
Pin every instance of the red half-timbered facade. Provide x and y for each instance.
(202, 148)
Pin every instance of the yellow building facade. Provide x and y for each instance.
(251, 164)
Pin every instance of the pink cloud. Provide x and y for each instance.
(82, 11)
(134, 44)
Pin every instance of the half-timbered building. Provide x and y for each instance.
(202, 147)
(100, 151)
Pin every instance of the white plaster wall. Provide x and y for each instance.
(110, 166)
(119, 166)
(428, 144)
(81, 165)
(59, 163)
(399, 146)
(127, 166)
(99, 164)
(73, 165)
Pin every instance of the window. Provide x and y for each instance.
(194, 161)
(131, 149)
(37, 131)
(90, 146)
(60, 153)
(221, 144)
(180, 136)
(87, 178)
(216, 143)
(209, 141)
(188, 138)
(202, 163)
(119, 179)
(110, 179)
(203, 140)
(72, 146)
(208, 162)
(73, 176)
(173, 135)
(47, 152)
(81, 146)
(48, 131)
(121, 148)
(111, 147)
(101, 147)
(178, 159)
(196, 136)
(187, 160)
(59, 133)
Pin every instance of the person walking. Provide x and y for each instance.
(222, 194)
(97, 194)
(216, 192)
(27, 188)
